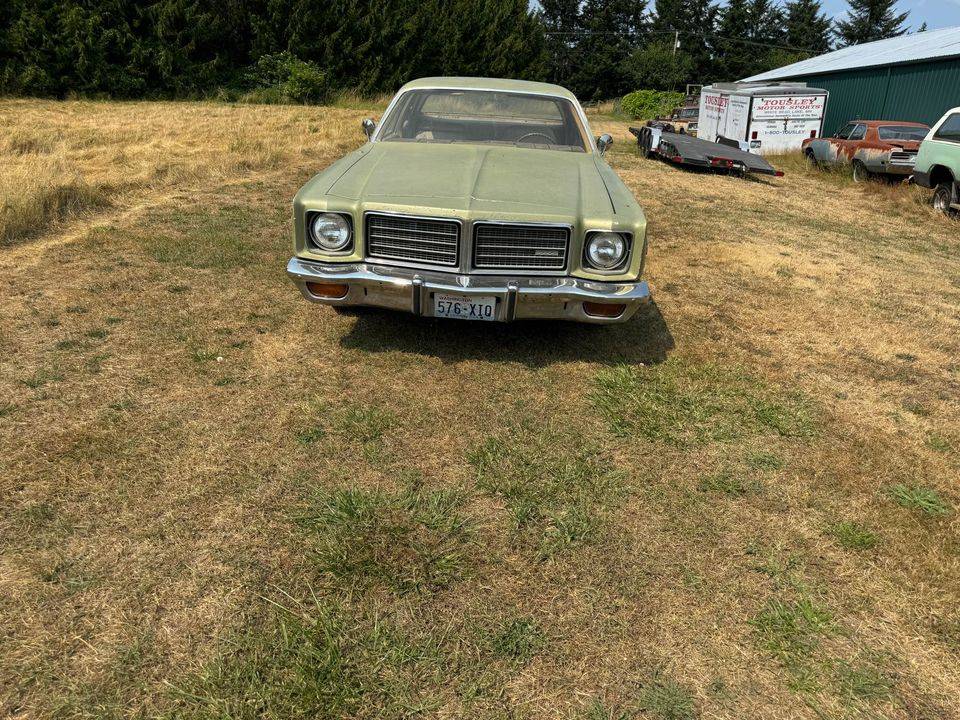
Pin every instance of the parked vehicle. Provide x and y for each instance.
(938, 162)
(871, 147)
(684, 119)
(474, 199)
(762, 117)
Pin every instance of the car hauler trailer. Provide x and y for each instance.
(762, 117)
(697, 153)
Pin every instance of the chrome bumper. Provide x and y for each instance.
(412, 290)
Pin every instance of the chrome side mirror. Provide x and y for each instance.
(368, 127)
(604, 142)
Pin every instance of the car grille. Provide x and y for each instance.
(903, 158)
(419, 240)
(520, 247)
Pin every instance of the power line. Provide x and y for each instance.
(704, 36)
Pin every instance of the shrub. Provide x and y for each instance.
(645, 104)
(283, 77)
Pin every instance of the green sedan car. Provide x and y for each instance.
(474, 199)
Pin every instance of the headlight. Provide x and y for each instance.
(330, 231)
(606, 250)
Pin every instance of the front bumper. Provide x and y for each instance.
(412, 290)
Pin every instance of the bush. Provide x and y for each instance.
(646, 104)
(283, 77)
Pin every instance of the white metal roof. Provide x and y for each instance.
(929, 45)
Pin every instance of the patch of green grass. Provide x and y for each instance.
(917, 497)
(729, 483)
(764, 460)
(68, 574)
(680, 403)
(77, 310)
(556, 494)
(791, 631)
(853, 536)
(68, 345)
(861, 683)
(597, 710)
(221, 238)
(42, 376)
(518, 640)
(414, 540)
(94, 363)
(938, 443)
(96, 333)
(7, 409)
(299, 666)
(203, 354)
(178, 289)
(665, 699)
(353, 424)
(113, 321)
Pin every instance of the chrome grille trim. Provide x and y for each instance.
(430, 241)
(906, 157)
(517, 246)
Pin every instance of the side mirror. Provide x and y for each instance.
(604, 142)
(368, 127)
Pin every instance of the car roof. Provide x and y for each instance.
(481, 83)
(880, 123)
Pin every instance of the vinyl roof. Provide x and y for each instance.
(929, 45)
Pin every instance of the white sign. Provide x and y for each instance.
(794, 107)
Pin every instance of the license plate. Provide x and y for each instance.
(462, 307)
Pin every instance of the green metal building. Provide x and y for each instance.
(914, 78)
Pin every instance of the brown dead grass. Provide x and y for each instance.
(170, 411)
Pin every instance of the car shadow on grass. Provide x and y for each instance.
(645, 338)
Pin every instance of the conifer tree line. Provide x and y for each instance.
(305, 49)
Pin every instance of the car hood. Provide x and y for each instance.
(475, 178)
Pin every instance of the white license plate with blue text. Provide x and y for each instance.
(462, 307)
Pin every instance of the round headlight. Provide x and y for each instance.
(330, 231)
(606, 250)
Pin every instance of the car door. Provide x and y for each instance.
(847, 147)
(829, 150)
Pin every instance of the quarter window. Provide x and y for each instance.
(950, 129)
(844, 132)
(859, 133)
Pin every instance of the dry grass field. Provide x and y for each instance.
(219, 501)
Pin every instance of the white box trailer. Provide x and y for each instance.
(762, 117)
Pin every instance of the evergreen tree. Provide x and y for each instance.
(869, 20)
(561, 24)
(611, 30)
(807, 27)
(694, 22)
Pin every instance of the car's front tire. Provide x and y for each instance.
(943, 198)
(860, 172)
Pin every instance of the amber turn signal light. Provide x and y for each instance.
(604, 310)
(334, 291)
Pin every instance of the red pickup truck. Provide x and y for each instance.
(872, 147)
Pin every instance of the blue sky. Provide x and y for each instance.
(936, 13)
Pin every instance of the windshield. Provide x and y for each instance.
(689, 112)
(481, 116)
(902, 132)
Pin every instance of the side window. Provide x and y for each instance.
(950, 130)
(859, 133)
(844, 132)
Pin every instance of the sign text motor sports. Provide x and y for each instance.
(793, 107)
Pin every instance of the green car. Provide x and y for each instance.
(474, 199)
(938, 163)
